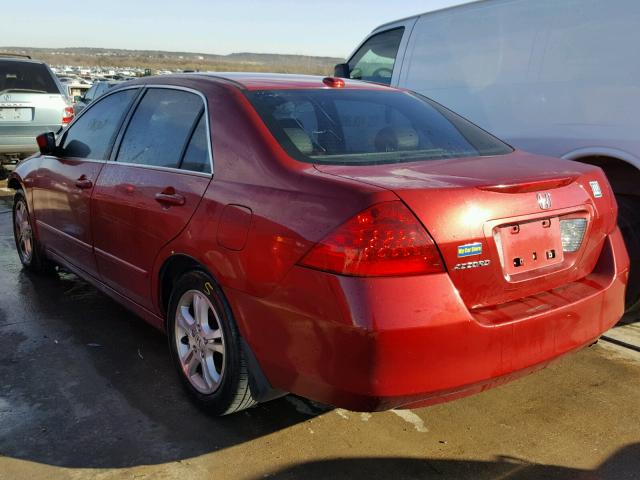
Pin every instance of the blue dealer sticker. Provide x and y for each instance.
(470, 249)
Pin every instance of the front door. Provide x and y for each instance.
(146, 196)
(64, 184)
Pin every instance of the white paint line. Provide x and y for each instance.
(410, 417)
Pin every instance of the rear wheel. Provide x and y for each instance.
(629, 222)
(29, 250)
(205, 346)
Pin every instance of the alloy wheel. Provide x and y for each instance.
(23, 232)
(200, 341)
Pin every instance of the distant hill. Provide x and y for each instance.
(163, 60)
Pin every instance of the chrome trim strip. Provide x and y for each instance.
(78, 159)
(115, 259)
(165, 169)
(65, 235)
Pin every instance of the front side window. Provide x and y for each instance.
(92, 135)
(160, 128)
(374, 61)
(353, 126)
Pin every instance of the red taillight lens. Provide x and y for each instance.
(383, 240)
(67, 116)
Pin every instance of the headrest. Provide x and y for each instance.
(391, 139)
(300, 139)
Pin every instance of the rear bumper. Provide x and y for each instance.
(17, 145)
(380, 343)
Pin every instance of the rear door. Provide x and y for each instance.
(64, 184)
(147, 195)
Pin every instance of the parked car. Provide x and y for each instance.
(97, 89)
(32, 100)
(74, 87)
(552, 77)
(351, 243)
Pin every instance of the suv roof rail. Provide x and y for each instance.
(9, 54)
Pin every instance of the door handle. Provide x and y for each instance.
(169, 199)
(83, 182)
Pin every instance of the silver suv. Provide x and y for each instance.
(32, 101)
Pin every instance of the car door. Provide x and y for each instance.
(146, 196)
(379, 57)
(64, 183)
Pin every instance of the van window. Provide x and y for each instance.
(356, 127)
(374, 61)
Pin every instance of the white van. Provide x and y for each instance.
(556, 77)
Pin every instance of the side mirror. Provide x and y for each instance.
(46, 143)
(341, 70)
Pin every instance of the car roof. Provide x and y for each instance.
(20, 59)
(264, 81)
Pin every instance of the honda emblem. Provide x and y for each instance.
(544, 200)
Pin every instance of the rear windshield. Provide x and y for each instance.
(26, 77)
(346, 127)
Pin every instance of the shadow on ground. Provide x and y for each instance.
(623, 465)
(84, 383)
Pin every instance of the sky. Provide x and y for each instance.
(318, 27)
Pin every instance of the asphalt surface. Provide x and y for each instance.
(87, 391)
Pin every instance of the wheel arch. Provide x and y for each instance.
(172, 268)
(621, 168)
(178, 264)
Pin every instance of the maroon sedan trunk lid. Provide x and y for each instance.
(497, 220)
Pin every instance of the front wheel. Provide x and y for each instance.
(205, 346)
(29, 251)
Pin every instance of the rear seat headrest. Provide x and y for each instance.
(300, 139)
(391, 139)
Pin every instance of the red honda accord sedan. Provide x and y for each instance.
(352, 243)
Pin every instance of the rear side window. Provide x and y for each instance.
(92, 135)
(349, 127)
(160, 128)
(374, 61)
(196, 156)
(26, 77)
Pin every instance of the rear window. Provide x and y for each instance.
(26, 77)
(344, 127)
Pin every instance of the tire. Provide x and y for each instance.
(629, 222)
(29, 250)
(205, 347)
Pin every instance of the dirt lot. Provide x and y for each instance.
(87, 391)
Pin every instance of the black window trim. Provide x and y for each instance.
(114, 137)
(127, 119)
(187, 141)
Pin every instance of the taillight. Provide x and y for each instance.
(383, 240)
(67, 116)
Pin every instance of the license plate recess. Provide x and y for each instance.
(530, 245)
